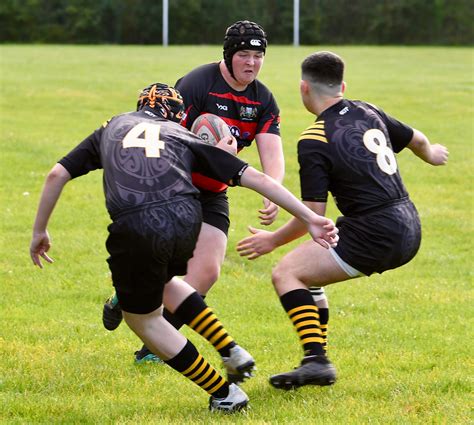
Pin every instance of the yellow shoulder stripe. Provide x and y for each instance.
(315, 137)
(315, 132)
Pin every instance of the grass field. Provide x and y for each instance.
(402, 341)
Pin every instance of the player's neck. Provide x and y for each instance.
(320, 105)
(229, 79)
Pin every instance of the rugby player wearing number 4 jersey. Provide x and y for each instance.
(348, 151)
(147, 158)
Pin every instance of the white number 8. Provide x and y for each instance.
(375, 141)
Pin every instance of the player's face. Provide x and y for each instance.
(246, 65)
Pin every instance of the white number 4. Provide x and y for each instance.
(375, 141)
(150, 139)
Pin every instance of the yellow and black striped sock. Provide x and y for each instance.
(173, 319)
(195, 367)
(323, 323)
(301, 309)
(198, 316)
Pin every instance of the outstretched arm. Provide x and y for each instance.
(262, 242)
(40, 242)
(432, 154)
(322, 229)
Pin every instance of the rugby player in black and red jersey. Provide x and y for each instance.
(348, 151)
(148, 159)
(230, 90)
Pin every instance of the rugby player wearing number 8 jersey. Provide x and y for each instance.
(348, 151)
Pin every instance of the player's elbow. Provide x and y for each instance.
(58, 174)
(419, 142)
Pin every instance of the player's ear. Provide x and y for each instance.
(343, 87)
(304, 87)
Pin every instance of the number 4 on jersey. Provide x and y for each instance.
(145, 135)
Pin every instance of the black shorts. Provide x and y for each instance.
(148, 247)
(215, 209)
(381, 240)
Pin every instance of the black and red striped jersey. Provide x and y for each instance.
(349, 152)
(147, 159)
(247, 113)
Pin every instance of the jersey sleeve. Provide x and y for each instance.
(400, 133)
(315, 164)
(218, 164)
(194, 88)
(270, 119)
(85, 156)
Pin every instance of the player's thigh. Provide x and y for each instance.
(208, 256)
(310, 264)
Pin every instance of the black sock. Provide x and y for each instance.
(323, 322)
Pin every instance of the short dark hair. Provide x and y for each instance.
(324, 68)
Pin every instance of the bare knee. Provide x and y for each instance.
(279, 276)
(202, 277)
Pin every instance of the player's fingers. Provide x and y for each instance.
(268, 218)
(253, 230)
(265, 221)
(329, 225)
(245, 242)
(269, 208)
(47, 258)
(244, 248)
(36, 260)
(253, 256)
(323, 243)
(246, 252)
(333, 242)
(332, 232)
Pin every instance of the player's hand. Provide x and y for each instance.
(39, 246)
(439, 155)
(260, 243)
(325, 234)
(228, 144)
(268, 213)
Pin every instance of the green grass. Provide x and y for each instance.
(402, 341)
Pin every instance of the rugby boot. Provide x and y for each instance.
(112, 313)
(239, 365)
(314, 370)
(235, 401)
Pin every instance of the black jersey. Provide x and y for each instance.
(349, 151)
(146, 160)
(247, 113)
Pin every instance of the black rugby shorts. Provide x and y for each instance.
(382, 240)
(148, 247)
(215, 209)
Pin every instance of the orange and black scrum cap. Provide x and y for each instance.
(165, 100)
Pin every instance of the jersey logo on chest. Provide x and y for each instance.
(247, 112)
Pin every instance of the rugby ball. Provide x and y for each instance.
(210, 128)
